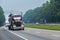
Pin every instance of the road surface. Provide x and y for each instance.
(29, 34)
(5, 35)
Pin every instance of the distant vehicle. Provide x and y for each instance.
(37, 23)
(15, 22)
(7, 24)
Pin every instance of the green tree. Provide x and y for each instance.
(2, 17)
(28, 16)
(49, 11)
(55, 4)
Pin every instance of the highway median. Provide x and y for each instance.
(43, 26)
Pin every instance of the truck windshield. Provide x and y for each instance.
(17, 18)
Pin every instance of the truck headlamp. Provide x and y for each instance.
(14, 26)
(22, 25)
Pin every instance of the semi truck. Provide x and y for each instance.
(16, 22)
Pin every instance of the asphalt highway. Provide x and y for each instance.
(39, 34)
(5, 35)
(29, 34)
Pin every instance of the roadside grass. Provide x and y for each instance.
(48, 27)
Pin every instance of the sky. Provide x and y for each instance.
(20, 5)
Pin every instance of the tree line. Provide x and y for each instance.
(2, 17)
(49, 12)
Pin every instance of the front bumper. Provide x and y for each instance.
(19, 27)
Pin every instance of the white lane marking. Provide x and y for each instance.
(56, 35)
(17, 35)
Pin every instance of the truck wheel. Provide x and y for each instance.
(22, 28)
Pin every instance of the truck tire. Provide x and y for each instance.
(22, 28)
(9, 28)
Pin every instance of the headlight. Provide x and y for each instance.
(22, 25)
(14, 26)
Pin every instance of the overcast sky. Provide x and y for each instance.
(20, 5)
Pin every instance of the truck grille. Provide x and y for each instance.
(18, 24)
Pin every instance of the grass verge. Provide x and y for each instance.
(48, 27)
